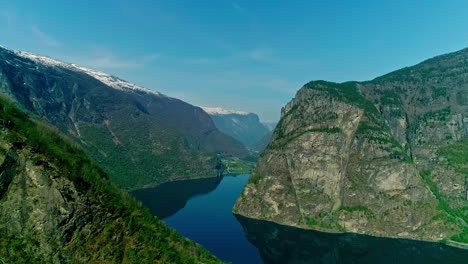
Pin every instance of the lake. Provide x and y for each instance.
(202, 211)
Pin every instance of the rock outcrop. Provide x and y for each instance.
(387, 157)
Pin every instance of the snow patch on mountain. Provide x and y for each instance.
(105, 78)
(221, 111)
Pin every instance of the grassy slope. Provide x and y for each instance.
(457, 158)
(142, 167)
(153, 242)
(234, 165)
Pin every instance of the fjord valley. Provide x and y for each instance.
(241, 132)
(200, 209)
(386, 157)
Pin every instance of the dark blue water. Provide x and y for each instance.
(170, 197)
(201, 210)
(204, 214)
(208, 220)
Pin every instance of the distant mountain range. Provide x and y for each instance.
(243, 126)
(139, 136)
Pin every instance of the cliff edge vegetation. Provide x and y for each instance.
(57, 206)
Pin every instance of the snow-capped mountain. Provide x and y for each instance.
(140, 137)
(243, 126)
(105, 78)
(221, 111)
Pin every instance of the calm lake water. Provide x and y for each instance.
(202, 211)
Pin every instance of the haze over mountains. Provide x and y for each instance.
(140, 137)
(243, 126)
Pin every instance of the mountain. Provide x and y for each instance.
(386, 157)
(270, 125)
(57, 206)
(261, 145)
(243, 126)
(140, 137)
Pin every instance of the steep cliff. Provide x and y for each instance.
(139, 136)
(387, 157)
(57, 206)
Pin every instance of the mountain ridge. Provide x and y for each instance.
(222, 111)
(139, 137)
(105, 78)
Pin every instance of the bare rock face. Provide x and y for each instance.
(386, 157)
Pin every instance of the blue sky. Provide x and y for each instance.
(236, 54)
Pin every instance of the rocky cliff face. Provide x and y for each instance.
(140, 137)
(56, 206)
(386, 157)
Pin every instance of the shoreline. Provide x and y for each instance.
(448, 242)
(149, 186)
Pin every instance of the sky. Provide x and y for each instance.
(236, 54)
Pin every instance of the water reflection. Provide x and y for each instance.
(280, 244)
(208, 220)
(202, 211)
(168, 198)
